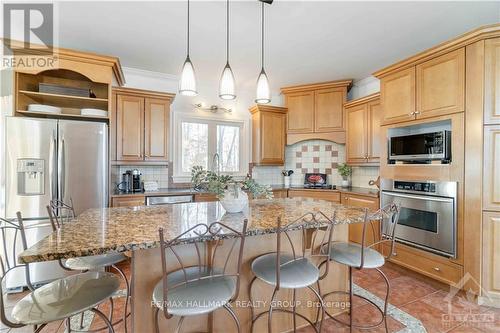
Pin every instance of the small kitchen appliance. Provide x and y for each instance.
(136, 181)
(316, 180)
(126, 184)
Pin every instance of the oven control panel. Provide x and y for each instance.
(415, 186)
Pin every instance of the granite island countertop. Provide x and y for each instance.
(97, 231)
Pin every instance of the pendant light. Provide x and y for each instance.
(226, 85)
(187, 85)
(263, 92)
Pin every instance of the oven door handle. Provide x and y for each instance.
(417, 197)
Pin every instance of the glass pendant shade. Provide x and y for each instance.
(226, 84)
(263, 91)
(187, 86)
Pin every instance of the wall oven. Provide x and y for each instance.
(428, 216)
(422, 147)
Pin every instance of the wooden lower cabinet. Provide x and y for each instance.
(316, 194)
(356, 230)
(128, 201)
(491, 253)
(205, 197)
(280, 193)
(438, 268)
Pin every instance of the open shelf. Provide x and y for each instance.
(63, 97)
(59, 115)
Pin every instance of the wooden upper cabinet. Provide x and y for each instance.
(300, 112)
(142, 125)
(329, 109)
(491, 175)
(397, 96)
(374, 122)
(316, 111)
(357, 130)
(156, 124)
(130, 128)
(441, 85)
(363, 130)
(268, 135)
(492, 81)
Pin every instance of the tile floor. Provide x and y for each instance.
(422, 298)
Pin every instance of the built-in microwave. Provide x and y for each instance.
(421, 148)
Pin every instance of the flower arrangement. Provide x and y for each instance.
(220, 185)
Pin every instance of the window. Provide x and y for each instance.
(198, 139)
(194, 147)
(228, 148)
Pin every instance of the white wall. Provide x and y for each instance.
(364, 87)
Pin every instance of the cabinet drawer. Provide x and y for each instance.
(315, 194)
(437, 269)
(205, 197)
(128, 201)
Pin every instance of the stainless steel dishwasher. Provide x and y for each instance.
(168, 199)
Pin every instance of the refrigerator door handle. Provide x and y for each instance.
(52, 166)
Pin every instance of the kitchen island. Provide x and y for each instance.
(135, 229)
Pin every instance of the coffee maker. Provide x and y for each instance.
(131, 181)
(136, 181)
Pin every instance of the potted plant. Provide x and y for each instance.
(230, 192)
(345, 171)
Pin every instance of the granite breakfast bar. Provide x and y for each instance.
(135, 229)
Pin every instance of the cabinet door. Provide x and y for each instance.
(492, 81)
(374, 147)
(356, 229)
(441, 85)
(491, 175)
(357, 130)
(272, 136)
(300, 112)
(491, 252)
(329, 110)
(128, 201)
(156, 128)
(130, 128)
(397, 96)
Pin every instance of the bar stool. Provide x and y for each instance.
(202, 288)
(61, 213)
(360, 256)
(294, 270)
(55, 301)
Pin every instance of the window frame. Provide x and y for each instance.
(178, 175)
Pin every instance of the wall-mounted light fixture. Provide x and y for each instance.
(212, 108)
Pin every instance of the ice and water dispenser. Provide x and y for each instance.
(30, 176)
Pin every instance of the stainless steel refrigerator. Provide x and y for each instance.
(52, 159)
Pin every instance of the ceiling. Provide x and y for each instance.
(306, 41)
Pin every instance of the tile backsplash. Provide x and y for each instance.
(149, 173)
(314, 156)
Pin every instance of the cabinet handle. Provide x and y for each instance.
(412, 113)
(417, 112)
(437, 269)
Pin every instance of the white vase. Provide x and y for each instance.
(346, 183)
(234, 202)
(286, 181)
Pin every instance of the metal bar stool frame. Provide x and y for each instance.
(315, 251)
(220, 232)
(61, 213)
(389, 213)
(7, 264)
